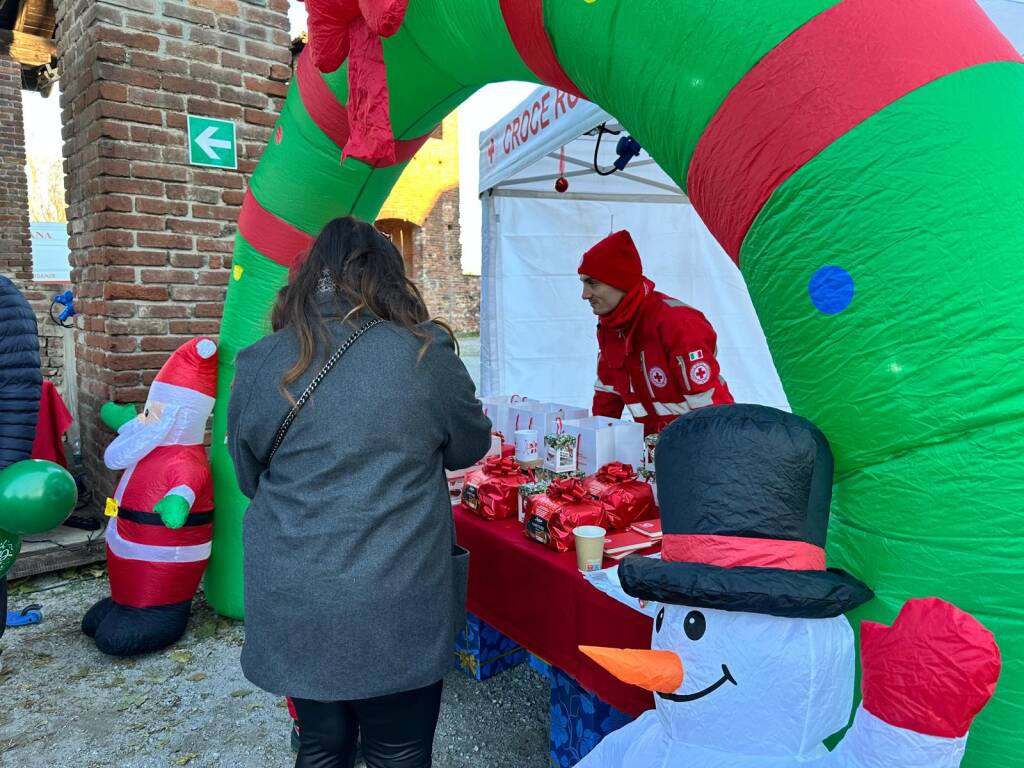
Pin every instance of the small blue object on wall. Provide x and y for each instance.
(831, 289)
(579, 720)
(481, 651)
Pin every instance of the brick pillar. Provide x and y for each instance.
(449, 294)
(15, 238)
(15, 245)
(151, 235)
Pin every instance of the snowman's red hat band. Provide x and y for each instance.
(742, 551)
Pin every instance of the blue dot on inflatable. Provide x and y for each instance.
(831, 289)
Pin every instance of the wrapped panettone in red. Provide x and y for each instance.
(552, 516)
(492, 491)
(625, 498)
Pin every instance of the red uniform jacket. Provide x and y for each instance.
(660, 366)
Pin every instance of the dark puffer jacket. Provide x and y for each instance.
(20, 377)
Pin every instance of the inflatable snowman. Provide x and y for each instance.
(752, 660)
(158, 538)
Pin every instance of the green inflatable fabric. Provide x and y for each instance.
(917, 208)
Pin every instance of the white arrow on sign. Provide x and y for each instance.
(207, 143)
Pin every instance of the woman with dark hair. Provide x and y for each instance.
(354, 587)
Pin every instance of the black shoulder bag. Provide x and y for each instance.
(283, 429)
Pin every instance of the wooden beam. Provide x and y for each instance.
(36, 17)
(28, 50)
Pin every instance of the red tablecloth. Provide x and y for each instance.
(54, 420)
(539, 599)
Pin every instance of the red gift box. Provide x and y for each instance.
(492, 491)
(624, 498)
(552, 516)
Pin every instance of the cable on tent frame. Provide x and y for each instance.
(602, 129)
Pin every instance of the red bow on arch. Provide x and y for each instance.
(352, 29)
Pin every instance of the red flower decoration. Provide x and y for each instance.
(930, 672)
(352, 29)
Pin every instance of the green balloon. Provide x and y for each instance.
(10, 546)
(35, 496)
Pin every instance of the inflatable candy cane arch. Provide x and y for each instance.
(861, 161)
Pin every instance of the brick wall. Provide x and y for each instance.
(151, 236)
(450, 295)
(15, 238)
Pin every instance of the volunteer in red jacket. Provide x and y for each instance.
(657, 354)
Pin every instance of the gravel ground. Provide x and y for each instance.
(66, 704)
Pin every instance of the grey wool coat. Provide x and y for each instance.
(353, 586)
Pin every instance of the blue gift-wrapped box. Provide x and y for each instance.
(579, 720)
(481, 651)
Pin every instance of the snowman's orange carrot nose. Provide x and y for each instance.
(657, 671)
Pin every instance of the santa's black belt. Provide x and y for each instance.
(153, 518)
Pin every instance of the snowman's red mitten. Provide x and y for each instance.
(932, 671)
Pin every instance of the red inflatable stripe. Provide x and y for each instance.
(275, 238)
(141, 584)
(331, 116)
(525, 22)
(742, 551)
(836, 71)
(323, 107)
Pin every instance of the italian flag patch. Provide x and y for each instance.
(698, 355)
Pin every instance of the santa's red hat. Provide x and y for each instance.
(614, 261)
(192, 366)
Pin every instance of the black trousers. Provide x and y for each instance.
(397, 731)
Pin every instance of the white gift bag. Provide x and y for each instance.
(497, 408)
(544, 417)
(527, 415)
(603, 440)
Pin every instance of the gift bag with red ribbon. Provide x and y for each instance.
(492, 491)
(624, 497)
(552, 516)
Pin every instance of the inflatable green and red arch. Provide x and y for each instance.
(862, 161)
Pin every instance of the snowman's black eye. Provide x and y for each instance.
(146, 413)
(694, 625)
(660, 620)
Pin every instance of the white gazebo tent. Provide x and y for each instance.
(537, 335)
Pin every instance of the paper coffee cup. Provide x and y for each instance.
(589, 547)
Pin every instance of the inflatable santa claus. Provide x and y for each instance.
(161, 515)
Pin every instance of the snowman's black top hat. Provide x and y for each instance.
(744, 493)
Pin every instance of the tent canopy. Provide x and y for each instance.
(537, 335)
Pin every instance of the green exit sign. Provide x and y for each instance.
(212, 142)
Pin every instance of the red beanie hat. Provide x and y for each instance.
(614, 261)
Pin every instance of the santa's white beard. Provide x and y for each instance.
(176, 426)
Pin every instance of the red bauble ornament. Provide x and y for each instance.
(561, 184)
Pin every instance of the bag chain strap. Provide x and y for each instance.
(283, 429)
